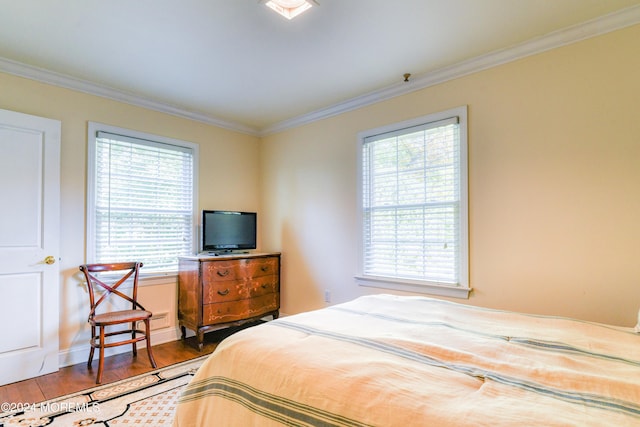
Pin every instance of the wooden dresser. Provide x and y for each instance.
(216, 292)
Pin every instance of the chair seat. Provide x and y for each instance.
(120, 317)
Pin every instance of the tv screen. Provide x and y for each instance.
(228, 230)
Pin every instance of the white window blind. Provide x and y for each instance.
(411, 204)
(143, 201)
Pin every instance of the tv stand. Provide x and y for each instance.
(223, 290)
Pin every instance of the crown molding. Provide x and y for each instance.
(602, 25)
(57, 79)
(599, 26)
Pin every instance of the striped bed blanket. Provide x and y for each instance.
(412, 361)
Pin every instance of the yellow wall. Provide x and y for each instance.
(228, 179)
(554, 183)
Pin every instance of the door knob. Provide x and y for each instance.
(50, 260)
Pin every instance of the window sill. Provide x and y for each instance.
(430, 288)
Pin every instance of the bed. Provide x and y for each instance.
(386, 360)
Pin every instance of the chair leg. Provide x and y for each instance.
(101, 361)
(148, 340)
(93, 334)
(90, 357)
(133, 337)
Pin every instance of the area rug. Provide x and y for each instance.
(148, 399)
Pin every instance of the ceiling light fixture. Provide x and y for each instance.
(289, 8)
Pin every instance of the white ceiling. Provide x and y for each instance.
(238, 63)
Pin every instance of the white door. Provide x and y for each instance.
(29, 245)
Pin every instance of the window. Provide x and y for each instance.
(141, 198)
(414, 205)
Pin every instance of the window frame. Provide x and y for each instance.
(92, 131)
(459, 290)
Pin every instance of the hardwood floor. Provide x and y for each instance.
(78, 377)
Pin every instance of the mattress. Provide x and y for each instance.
(387, 360)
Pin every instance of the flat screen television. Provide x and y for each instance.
(226, 231)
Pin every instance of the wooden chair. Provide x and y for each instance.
(109, 318)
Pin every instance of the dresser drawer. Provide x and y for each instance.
(232, 311)
(232, 290)
(239, 269)
(264, 285)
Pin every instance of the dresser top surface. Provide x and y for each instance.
(206, 256)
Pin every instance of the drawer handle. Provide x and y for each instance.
(264, 286)
(223, 293)
(264, 268)
(223, 273)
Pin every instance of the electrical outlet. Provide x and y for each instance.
(327, 295)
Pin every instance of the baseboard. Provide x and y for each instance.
(80, 353)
